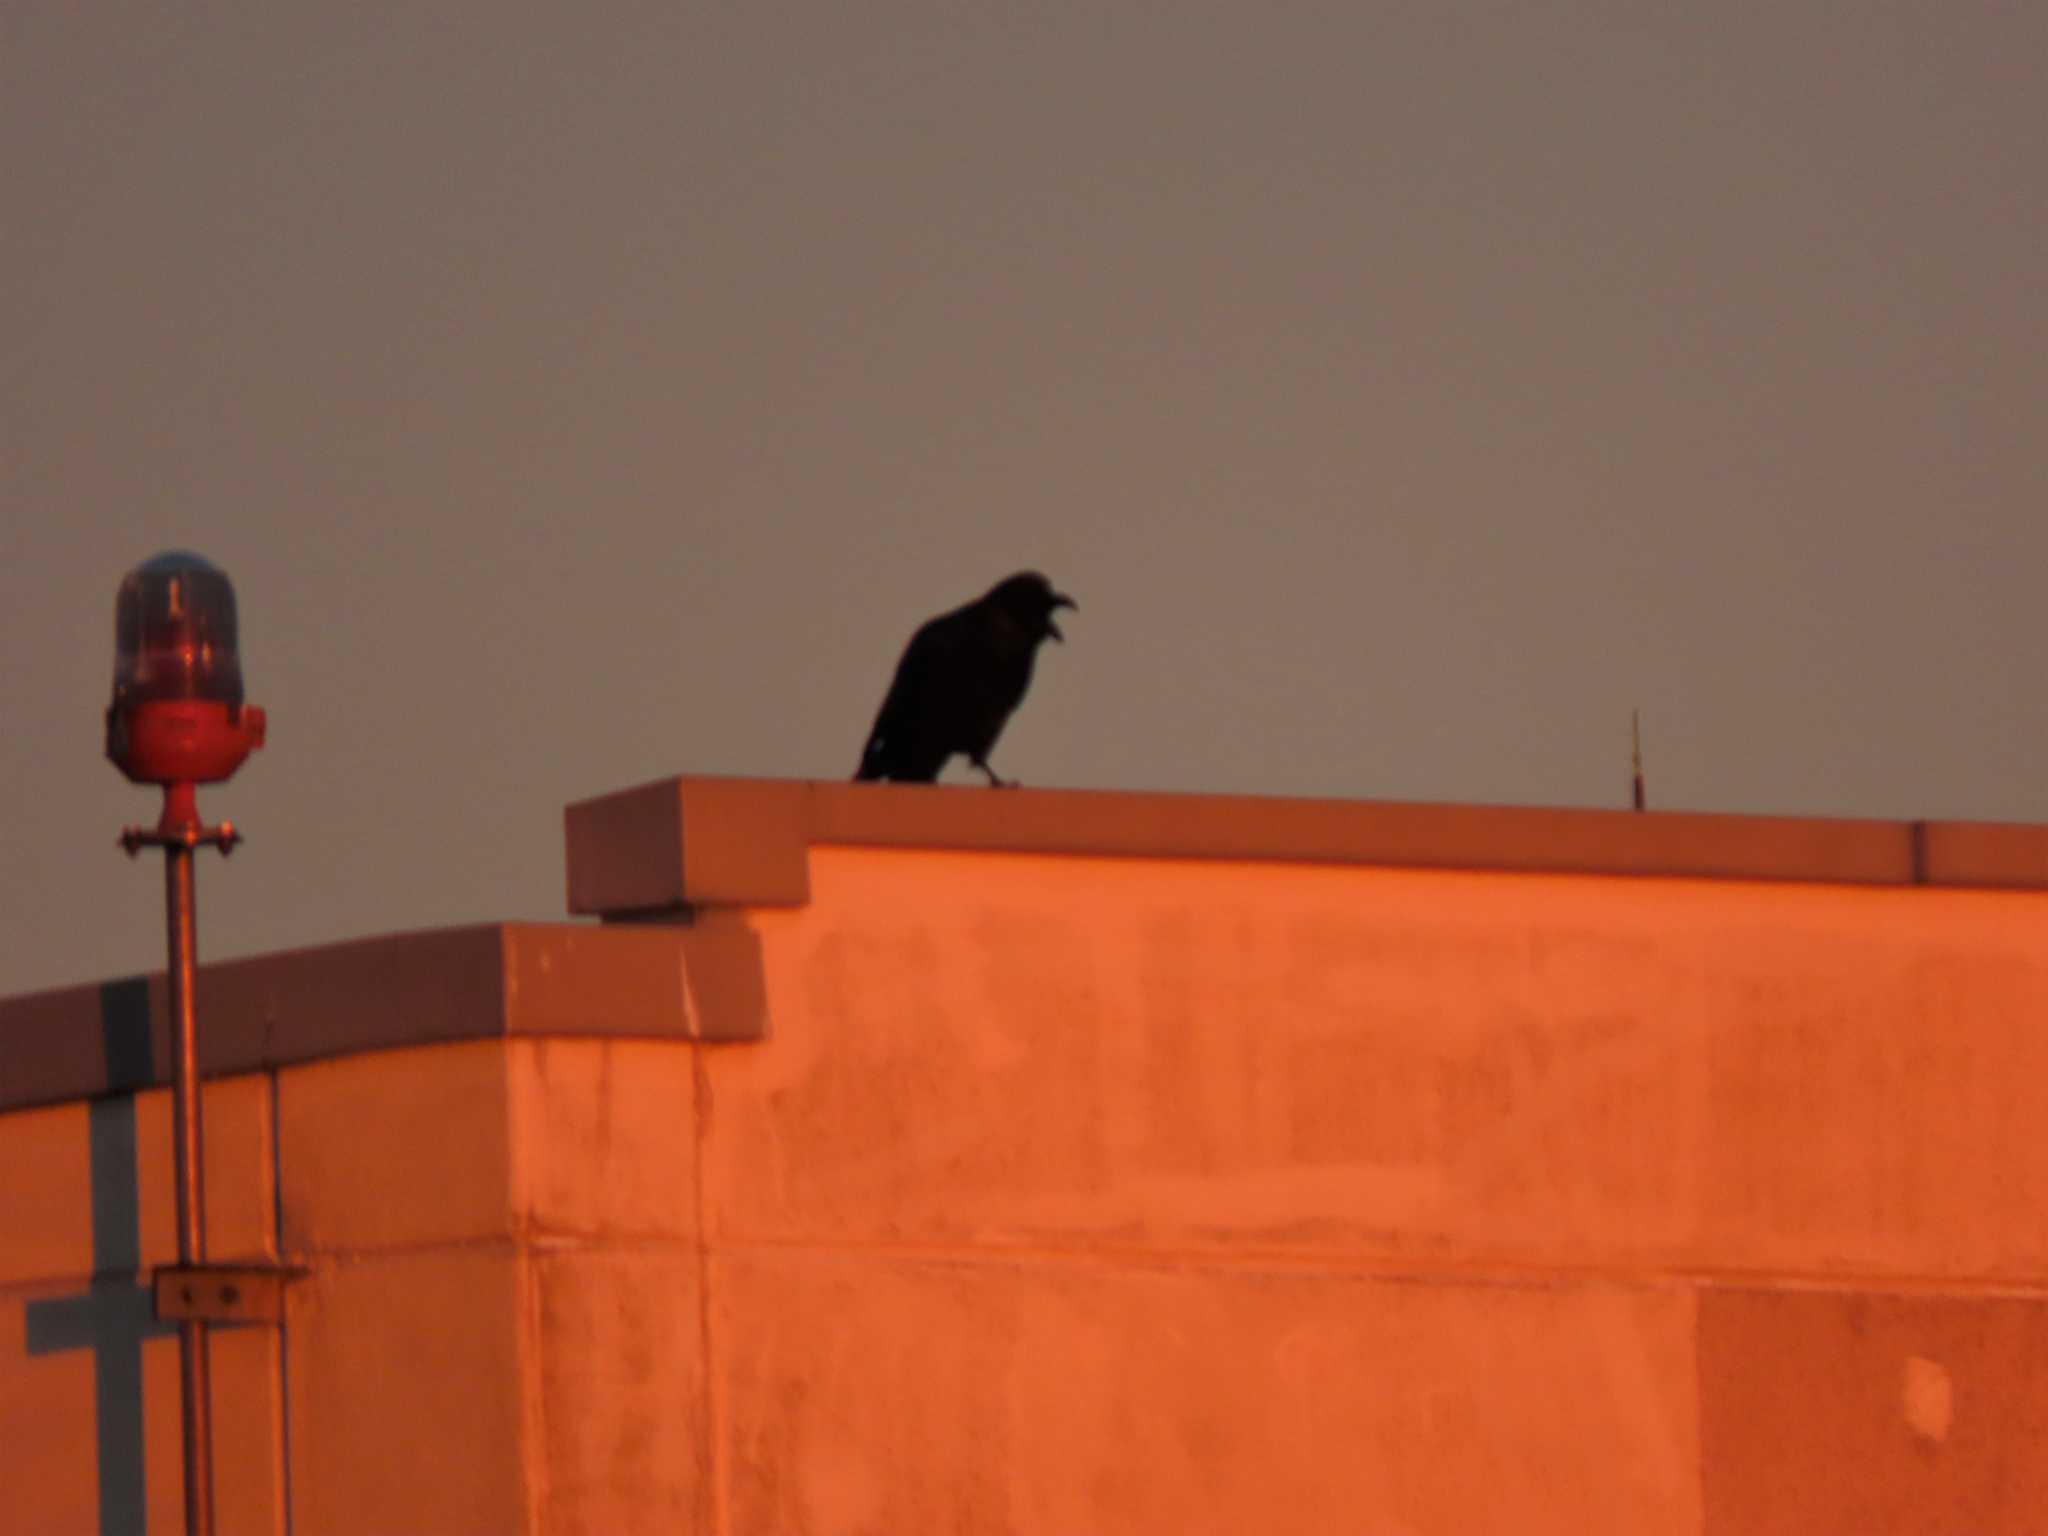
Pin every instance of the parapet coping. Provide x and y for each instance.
(674, 865)
(689, 842)
(490, 981)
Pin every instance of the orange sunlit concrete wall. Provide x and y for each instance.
(956, 1189)
(1131, 1194)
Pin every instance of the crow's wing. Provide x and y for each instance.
(915, 730)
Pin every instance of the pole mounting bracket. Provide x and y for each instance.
(222, 1293)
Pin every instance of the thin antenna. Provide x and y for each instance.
(1635, 736)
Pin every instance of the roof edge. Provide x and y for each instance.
(397, 991)
(706, 841)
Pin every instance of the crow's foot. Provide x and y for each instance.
(995, 780)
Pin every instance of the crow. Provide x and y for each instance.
(960, 677)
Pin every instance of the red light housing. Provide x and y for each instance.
(177, 715)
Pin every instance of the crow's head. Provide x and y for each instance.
(1028, 600)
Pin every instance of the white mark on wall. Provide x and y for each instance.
(1928, 1399)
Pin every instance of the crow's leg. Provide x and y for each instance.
(995, 780)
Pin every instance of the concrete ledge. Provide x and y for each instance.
(695, 983)
(1983, 853)
(689, 841)
(683, 842)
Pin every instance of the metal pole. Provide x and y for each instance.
(182, 901)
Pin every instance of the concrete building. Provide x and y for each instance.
(1056, 1162)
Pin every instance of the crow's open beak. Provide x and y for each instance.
(1059, 600)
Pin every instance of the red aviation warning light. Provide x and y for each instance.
(177, 718)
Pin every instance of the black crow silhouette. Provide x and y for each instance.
(959, 679)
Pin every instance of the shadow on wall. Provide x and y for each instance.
(115, 1315)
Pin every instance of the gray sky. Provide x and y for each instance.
(583, 394)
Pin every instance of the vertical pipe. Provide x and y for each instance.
(185, 1118)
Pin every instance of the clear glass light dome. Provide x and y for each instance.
(174, 633)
